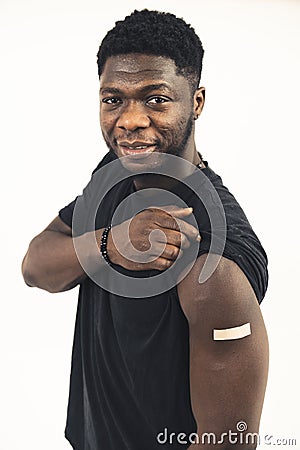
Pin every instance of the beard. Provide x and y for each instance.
(178, 150)
(178, 140)
(170, 142)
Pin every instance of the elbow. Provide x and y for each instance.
(27, 272)
(31, 279)
(34, 278)
(30, 272)
(42, 268)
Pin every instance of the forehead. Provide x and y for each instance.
(137, 68)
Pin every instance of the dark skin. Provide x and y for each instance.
(227, 378)
(142, 102)
(147, 108)
(51, 262)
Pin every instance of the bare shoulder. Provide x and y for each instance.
(226, 296)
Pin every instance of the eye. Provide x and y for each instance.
(157, 100)
(111, 100)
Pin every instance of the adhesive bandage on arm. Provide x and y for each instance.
(232, 333)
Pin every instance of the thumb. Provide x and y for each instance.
(181, 212)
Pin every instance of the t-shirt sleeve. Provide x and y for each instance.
(66, 213)
(242, 244)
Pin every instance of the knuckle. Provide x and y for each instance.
(166, 263)
(169, 253)
(153, 210)
(163, 264)
(144, 215)
(174, 252)
(171, 223)
(195, 231)
(185, 243)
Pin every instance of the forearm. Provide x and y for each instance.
(51, 262)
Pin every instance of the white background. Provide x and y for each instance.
(50, 143)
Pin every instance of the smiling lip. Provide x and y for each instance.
(134, 148)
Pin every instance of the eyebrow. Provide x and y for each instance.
(144, 90)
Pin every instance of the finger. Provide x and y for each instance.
(162, 263)
(173, 210)
(189, 230)
(182, 212)
(176, 238)
(166, 251)
(180, 225)
(171, 252)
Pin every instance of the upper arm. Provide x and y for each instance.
(226, 299)
(58, 225)
(228, 378)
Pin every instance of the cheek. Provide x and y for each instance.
(106, 124)
(169, 120)
(174, 126)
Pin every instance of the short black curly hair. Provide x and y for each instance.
(155, 33)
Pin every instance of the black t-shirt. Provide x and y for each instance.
(130, 360)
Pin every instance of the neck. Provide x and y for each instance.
(162, 181)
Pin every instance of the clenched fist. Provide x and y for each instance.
(152, 239)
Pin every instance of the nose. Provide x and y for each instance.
(132, 117)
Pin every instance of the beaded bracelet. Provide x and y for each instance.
(103, 244)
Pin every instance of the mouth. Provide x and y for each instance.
(136, 148)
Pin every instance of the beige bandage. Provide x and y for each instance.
(232, 333)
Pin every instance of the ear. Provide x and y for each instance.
(199, 100)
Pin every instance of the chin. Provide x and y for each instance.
(143, 161)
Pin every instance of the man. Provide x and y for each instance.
(182, 365)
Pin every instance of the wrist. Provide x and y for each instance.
(103, 244)
(113, 255)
